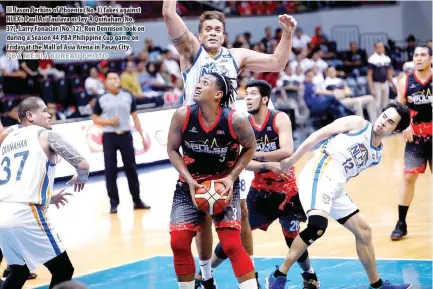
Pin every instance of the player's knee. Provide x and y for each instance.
(315, 229)
(21, 272)
(180, 242)
(61, 267)
(230, 241)
(410, 179)
(182, 256)
(232, 246)
(365, 234)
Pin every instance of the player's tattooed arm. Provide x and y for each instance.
(64, 149)
(185, 42)
(182, 39)
(246, 138)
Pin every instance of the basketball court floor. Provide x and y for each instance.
(132, 249)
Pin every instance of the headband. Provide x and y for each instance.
(225, 83)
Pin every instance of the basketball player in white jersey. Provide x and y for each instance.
(27, 168)
(4, 132)
(204, 54)
(352, 145)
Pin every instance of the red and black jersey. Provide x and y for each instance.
(209, 153)
(268, 140)
(420, 102)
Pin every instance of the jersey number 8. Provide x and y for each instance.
(6, 163)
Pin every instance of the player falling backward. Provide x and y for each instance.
(352, 145)
(273, 193)
(206, 54)
(210, 134)
(415, 90)
(27, 169)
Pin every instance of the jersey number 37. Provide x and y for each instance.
(5, 167)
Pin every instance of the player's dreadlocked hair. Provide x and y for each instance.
(224, 83)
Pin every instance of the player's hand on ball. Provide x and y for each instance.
(60, 198)
(228, 191)
(288, 23)
(77, 183)
(193, 186)
(408, 134)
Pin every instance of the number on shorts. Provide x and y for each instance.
(6, 163)
(234, 214)
(243, 187)
(294, 226)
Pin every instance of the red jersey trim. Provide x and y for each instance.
(200, 120)
(232, 131)
(419, 81)
(186, 120)
(274, 122)
(263, 124)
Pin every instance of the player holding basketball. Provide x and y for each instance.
(273, 193)
(27, 160)
(210, 134)
(352, 145)
(204, 54)
(415, 90)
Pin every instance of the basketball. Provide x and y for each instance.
(209, 198)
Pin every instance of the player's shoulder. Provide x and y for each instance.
(280, 116)
(356, 121)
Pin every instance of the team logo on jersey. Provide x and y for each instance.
(266, 145)
(194, 130)
(359, 154)
(421, 97)
(214, 67)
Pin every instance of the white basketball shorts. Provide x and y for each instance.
(26, 236)
(245, 178)
(321, 187)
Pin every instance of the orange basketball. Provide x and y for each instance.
(209, 198)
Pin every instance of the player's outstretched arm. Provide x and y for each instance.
(341, 125)
(246, 138)
(174, 142)
(284, 127)
(185, 42)
(261, 62)
(64, 149)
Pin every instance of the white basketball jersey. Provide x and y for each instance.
(354, 151)
(203, 63)
(26, 174)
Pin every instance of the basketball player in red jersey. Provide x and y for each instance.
(415, 90)
(205, 53)
(273, 193)
(210, 134)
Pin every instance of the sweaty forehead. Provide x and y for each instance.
(212, 23)
(208, 77)
(392, 113)
(421, 50)
(252, 89)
